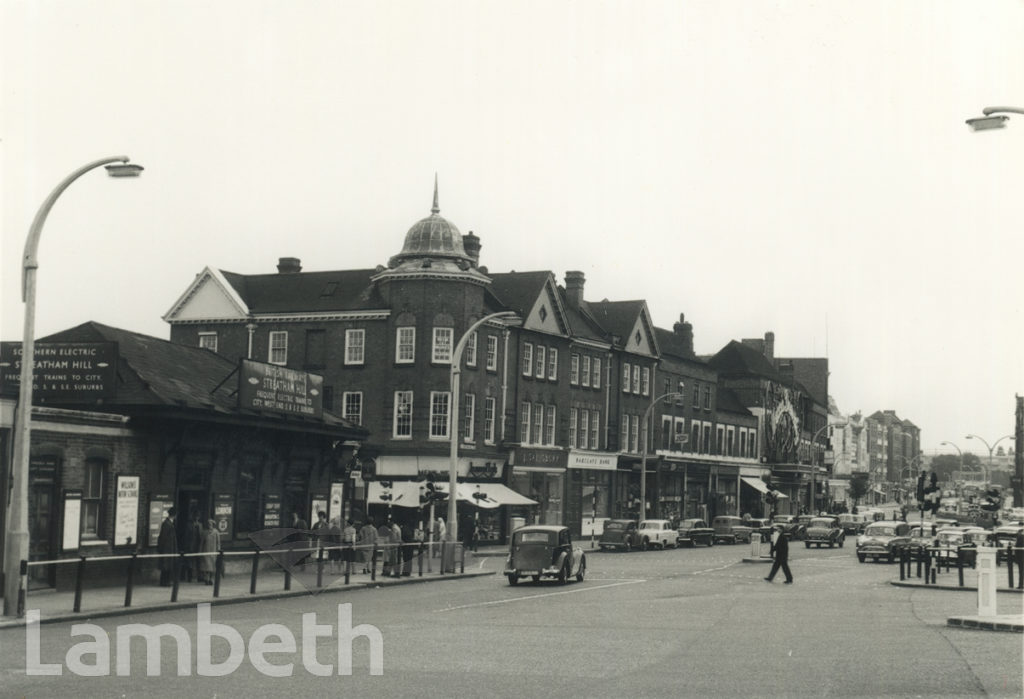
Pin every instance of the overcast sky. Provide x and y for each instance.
(799, 167)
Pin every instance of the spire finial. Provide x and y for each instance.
(435, 209)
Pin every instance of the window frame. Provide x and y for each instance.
(552, 364)
(636, 378)
(541, 362)
(626, 377)
(272, 347)
(440, 422)
(490, 408)
(407, 344)
(470, 349)
(92, 496)
(537, 429)
(527, 368)
(574, 369)
(585, 371)
(549, 425)
(524, 422)
(582, 437)
(469, 417)
(492, 353)
(438, 355)
(573, 416)
(595, 429)
(400, 417)
(596, 378)
(345, 405)
(355, 351)
(208, 335)
(645, 381)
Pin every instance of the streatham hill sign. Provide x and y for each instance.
(63, 372)
(268, 387)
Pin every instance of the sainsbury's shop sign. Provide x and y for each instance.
(268, 387)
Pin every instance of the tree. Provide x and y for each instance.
(858, 487)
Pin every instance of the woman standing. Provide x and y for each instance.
(209, 544)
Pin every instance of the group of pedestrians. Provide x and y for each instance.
(194, 537)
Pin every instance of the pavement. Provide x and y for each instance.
(57, 606)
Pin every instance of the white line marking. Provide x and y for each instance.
(537, 596)
(712, 570)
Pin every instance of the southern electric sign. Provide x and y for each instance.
(63, 372)
(279, 389)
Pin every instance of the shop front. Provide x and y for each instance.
(540, 475)
(591, 478)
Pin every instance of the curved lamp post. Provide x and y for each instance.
(995, 118)
(17, 540)
(814, 468)
(643, 462)
(988, 471)
(453, 417)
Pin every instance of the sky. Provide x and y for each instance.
(796, 167)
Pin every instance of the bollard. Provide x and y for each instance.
(462, 560)
(218, 573)
(373, 562)
(254, 571)
(420, 563)
(348, 569)
(920, 556)
(130, 582)
(986, 581)
(903, 561)
(755, 545)
(1009, 565)
(79, 575)
(960, 570)
(320, 567)
(927, 569)
(935, 572)
(23, 572)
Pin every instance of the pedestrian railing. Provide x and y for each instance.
(318, 566)
(930, 560)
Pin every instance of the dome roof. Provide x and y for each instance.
(433, 236)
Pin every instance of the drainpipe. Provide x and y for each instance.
(251, 327)
(504, 381)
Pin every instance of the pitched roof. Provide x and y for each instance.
(671, 344)
(519, 290)
(581, 323)
(616, 317)
(154, 373)
(726, 400)
(737, 358)
(307, 292)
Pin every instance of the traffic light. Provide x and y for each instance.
(920, 487)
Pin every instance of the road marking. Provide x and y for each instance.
(712, 570)
(538, 596)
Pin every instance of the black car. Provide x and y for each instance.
(619, 534)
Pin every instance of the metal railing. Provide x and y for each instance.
(930, 560)
(396, 560)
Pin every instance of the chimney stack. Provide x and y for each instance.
(471, 244)
(289, 265)
(769, 345)
(574, 287)
(685, 332)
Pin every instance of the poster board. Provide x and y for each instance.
(224, 514)
(159, 503)
(317, 503)
(335, 508)
(72, 520)
(271, 511)
(126, 511)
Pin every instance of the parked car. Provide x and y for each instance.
(852, 524)
(948, 541)
(539, 551)
(619, 534)
(882, 540)
(695, 531)
(730, 529)
(790, 526)
(1003, 535)
(656, 532)
(824, 530)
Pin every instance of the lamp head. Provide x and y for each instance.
(986, 123)
(124, 170)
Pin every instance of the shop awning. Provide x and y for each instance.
(403, 493)
(755, 483)
(494, 495)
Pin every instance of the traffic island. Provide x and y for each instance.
(1001, 622)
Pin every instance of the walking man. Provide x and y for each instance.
(781, 559)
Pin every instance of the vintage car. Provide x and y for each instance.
(852, 524)
(882, 539)
(539, 551)
(656, 532)
(730, 530)
(1003, 535)
(761, 526)
(824, 530)
(920, 539)
(619, 534)
(789, 525)
(965, 540)
(695, 531)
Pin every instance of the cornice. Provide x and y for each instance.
(290, 317)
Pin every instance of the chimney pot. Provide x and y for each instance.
(289, 265)
(574, 281)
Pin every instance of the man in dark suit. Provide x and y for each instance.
(781, 558)
(167, 542)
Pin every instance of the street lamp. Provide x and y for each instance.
(453, 417)
(814, 467)
(643, 464)
(988, 471)
(17, 540)
(992, 119)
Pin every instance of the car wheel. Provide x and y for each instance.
(889, 558)
(644, 545)
(841, 542)
(628, 547)
(536, 578)
(513, 579)
(583, 570)
(563, 574)
(711, 542)
(861, 557)
(807, 544)
(831, 544)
